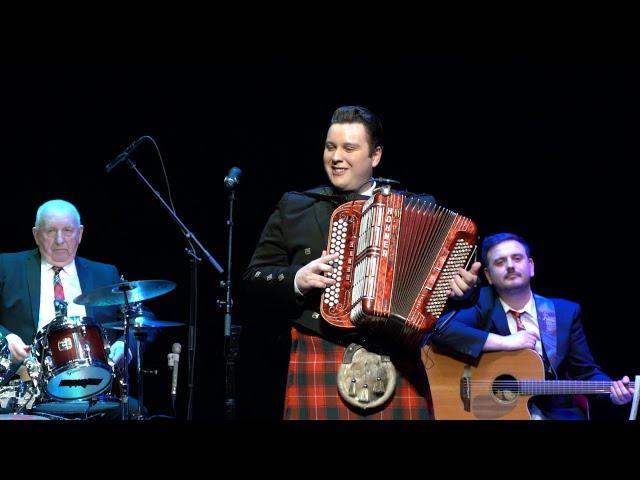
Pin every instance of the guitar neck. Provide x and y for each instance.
(562, 387)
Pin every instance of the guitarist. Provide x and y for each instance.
(509, 316)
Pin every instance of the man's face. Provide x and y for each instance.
(58, 236)
(347, 159)
(509, 267)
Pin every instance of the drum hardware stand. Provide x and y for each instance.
(124, 397)
(130, 310)
(134, 310)
(140, 336)
(61, 309)
(193, 258)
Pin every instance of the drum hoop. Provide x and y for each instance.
(78, 364)
(67, 323)
(83, 397)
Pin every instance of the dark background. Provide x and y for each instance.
(542, 148)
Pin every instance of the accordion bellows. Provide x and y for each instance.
(397, 256)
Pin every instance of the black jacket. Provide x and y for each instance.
(20, 291)
(295, 234)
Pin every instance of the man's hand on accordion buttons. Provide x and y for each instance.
(463, 283)
(312, 274)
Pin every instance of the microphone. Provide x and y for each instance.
(125, 154)
(174, 359)
(233, 178)
(388, 181)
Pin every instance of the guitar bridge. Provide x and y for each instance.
(465, 388)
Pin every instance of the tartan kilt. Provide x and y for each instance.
(312, 387)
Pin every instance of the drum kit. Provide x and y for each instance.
(68, 373)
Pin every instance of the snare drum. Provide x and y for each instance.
(74, 354)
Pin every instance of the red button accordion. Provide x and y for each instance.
(397, 256)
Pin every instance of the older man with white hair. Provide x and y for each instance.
(33, 282)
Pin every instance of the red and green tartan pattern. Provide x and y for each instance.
(312, 388)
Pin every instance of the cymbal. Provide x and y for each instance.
(136, 291)
(142, 323)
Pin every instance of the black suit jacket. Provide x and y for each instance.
(20, 291)
(295, 234)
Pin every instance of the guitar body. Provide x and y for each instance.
(479, 399)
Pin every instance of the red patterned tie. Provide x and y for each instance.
(58, 291)
(517, 316)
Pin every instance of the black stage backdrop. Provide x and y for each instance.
(542, 148)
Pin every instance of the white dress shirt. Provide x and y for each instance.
(71, 287)
(529, 319)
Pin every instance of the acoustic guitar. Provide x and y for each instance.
(498, 387)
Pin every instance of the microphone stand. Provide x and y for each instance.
(193, 316)
(231, 332)
(193, 313)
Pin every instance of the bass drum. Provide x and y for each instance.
(21, 416)
(104, 406)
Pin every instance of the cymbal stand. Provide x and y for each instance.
(124, 397)
(140, 335)
(134, 310)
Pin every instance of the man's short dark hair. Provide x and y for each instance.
(358, 114)
(492, 240)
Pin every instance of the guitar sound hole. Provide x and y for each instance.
(505, 389)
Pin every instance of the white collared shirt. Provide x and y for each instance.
(369, 192)
(71, 287)
(529, 319)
